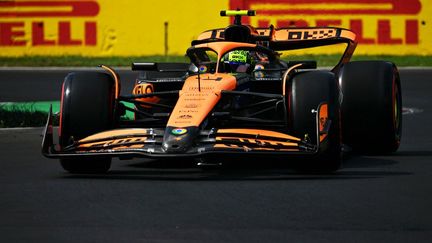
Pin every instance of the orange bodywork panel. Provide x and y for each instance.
(114, 133)
(246, 148)
(216, 34)
(110, 139)
(198, 97)
(258, 133)
(323, 118)
(289, 34)
(257, 141)
(265, 139)
(222, 47)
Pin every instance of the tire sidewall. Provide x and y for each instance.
(87, 107)
(371, 106)
(307, 91)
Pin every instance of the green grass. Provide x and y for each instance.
(323, 60)
(21, 116)
(35, 114)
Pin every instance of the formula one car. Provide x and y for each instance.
(236, 98)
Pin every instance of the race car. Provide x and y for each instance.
(236, 98)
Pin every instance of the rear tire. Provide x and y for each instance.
(87, 107)
(371, 107)
(308, 90)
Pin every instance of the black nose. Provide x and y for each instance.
(179, 140)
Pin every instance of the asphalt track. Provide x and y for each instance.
(372, 199)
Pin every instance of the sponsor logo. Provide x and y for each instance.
(118, 144)
(333, 7)
(201, 88)
(144, 88)
(188, 111)
(185, 117)
(20, 19)
(179, 131)
(191, 105)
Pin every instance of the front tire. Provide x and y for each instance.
(308, 90)
(87, 107)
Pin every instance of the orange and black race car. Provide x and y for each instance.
(236, 98)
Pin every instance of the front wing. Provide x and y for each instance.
(147, 142)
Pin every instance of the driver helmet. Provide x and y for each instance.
(238, 61)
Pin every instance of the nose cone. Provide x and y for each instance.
(179, 140)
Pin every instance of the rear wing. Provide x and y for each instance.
(285, 38)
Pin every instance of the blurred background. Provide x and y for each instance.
(96, 28)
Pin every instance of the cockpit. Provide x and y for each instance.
(249, 59)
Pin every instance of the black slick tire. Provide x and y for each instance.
(371, 106)
(307, 91)
(87, 107)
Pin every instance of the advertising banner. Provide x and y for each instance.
(395, 27)
(104, 27)
(136, 27)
